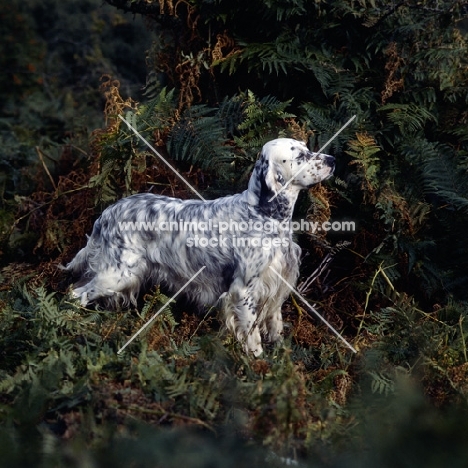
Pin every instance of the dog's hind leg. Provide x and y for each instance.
(110, 289)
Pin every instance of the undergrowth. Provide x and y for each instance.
(64, 385)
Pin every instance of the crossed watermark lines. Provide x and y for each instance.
(291, 287)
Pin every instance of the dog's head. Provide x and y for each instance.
(286, 166)
(290, 162)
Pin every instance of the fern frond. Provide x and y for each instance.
(261, 117)
(285, 55)
(325, 123)
(159, 112)
(444, 176)
(381, 384)
(363, 150)
(200, 138)
(408, 117)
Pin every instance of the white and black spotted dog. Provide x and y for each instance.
(244, 241)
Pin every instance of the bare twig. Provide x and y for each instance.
(41, 157)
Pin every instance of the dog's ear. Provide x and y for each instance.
(271, 178)
(264, 180)
(272, 174)
(265, 183)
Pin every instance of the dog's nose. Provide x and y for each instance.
(329, 160)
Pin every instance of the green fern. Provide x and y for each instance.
(199, 137)
(285, 55)
(261, 117)
(381, 384)
(122, 152)
(445, 178)
(408, 117)
(363, 150)
(159, 112)
(202, 394)
(325, 126)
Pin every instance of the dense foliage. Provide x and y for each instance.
(223, 78)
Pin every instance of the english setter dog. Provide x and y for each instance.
(244, 241)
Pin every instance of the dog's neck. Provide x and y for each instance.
(277, 206)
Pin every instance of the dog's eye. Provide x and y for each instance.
(303, 156)
(280, 178)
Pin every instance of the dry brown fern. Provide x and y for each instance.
(393, 83)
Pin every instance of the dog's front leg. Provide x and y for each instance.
(240, 315)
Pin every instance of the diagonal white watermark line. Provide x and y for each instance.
(161, 309)
(318, 152)
(328, 324)
(158, 154)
